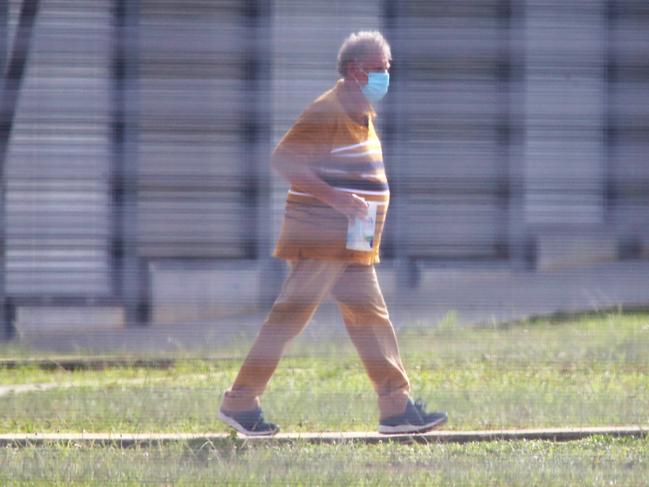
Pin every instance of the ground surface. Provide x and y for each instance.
(597, 461)
(578, 372)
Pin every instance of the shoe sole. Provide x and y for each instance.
(237, 426)
(411, 428)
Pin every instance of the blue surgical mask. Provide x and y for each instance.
(377, 85)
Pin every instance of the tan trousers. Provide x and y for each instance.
(358, 294)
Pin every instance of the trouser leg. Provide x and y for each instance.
(308, 282)
(367, 320)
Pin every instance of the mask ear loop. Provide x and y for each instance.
(356, 80)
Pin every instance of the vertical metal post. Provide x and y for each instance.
(4, 36)
(388, 14)
(130, 275)
(629, 245)
(11, 83)
(257, 143)
(6, 328)
(609, 129)
(520, 254)
(395, 138)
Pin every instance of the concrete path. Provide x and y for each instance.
(153, 439)
(24, 388)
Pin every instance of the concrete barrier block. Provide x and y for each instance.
(33, 320)
(574, 251)
(190, 291)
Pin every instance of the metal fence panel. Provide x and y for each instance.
(58, 168)
(192, 183)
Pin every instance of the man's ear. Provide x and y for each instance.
(354, 72)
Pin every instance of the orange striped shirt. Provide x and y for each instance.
(346, 155)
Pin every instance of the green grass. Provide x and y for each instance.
(590, 370)
(595, 461)
(583, 371)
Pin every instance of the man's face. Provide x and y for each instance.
(373, 61)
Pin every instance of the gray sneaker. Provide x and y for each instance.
(414, 419)
(250, 423)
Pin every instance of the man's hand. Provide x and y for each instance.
(348, 204)
(301, 175)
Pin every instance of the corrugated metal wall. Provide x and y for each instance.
(215, 90)
(58, 169)
(450, 167)
(565, 105)
(192, 186)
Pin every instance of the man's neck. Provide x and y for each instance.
(354, 102)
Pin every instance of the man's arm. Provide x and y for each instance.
(303, 176)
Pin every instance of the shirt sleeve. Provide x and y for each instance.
(309, 139)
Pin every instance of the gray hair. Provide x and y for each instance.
(358, 44)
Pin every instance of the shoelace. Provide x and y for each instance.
(420, 406)
(260, 421)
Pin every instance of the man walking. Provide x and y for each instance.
(332, 158)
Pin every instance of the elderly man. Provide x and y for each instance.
(332, 158)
